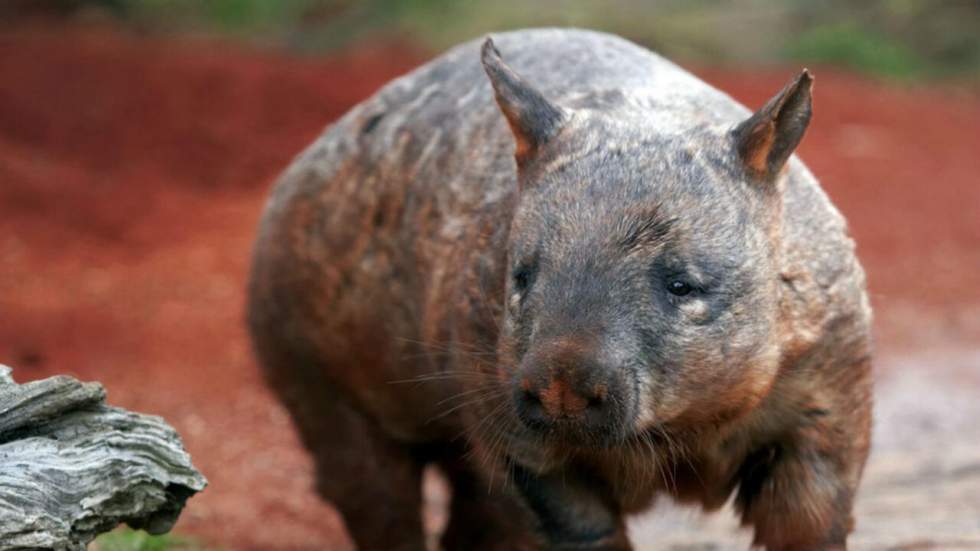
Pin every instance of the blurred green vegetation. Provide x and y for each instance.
(904, 39)
(125, 539)
(864, 50)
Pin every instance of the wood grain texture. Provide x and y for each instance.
(72, 467)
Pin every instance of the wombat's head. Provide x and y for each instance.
(642, 288)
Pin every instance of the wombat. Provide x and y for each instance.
(583, 282)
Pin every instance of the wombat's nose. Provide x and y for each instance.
(557, 398)
(563, 388)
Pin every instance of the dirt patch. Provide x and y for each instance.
(133, 170)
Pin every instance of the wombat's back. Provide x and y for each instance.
(441, 120)
(365, 239)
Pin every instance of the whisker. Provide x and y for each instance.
(443, 375)
(481, 389)
(498, 437)
(458, 407)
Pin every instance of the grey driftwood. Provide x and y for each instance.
(72, 467)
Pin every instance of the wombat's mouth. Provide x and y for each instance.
(574, 434)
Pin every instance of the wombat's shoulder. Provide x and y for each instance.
(825, 296)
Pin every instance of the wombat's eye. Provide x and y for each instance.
(522, 279)
(679, 288)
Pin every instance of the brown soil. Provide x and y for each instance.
(133, 169)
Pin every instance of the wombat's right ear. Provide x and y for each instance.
(532, 118)
(767, 139)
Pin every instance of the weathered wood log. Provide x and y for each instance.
(72, 467)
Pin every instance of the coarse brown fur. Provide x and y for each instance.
(652, 297)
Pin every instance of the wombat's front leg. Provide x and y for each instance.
(798, 492)
(572, 514)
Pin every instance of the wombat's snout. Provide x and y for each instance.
(562, 387)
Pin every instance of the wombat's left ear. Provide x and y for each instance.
(767, 139)
(532, 118)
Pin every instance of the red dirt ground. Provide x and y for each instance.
(133, 169)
